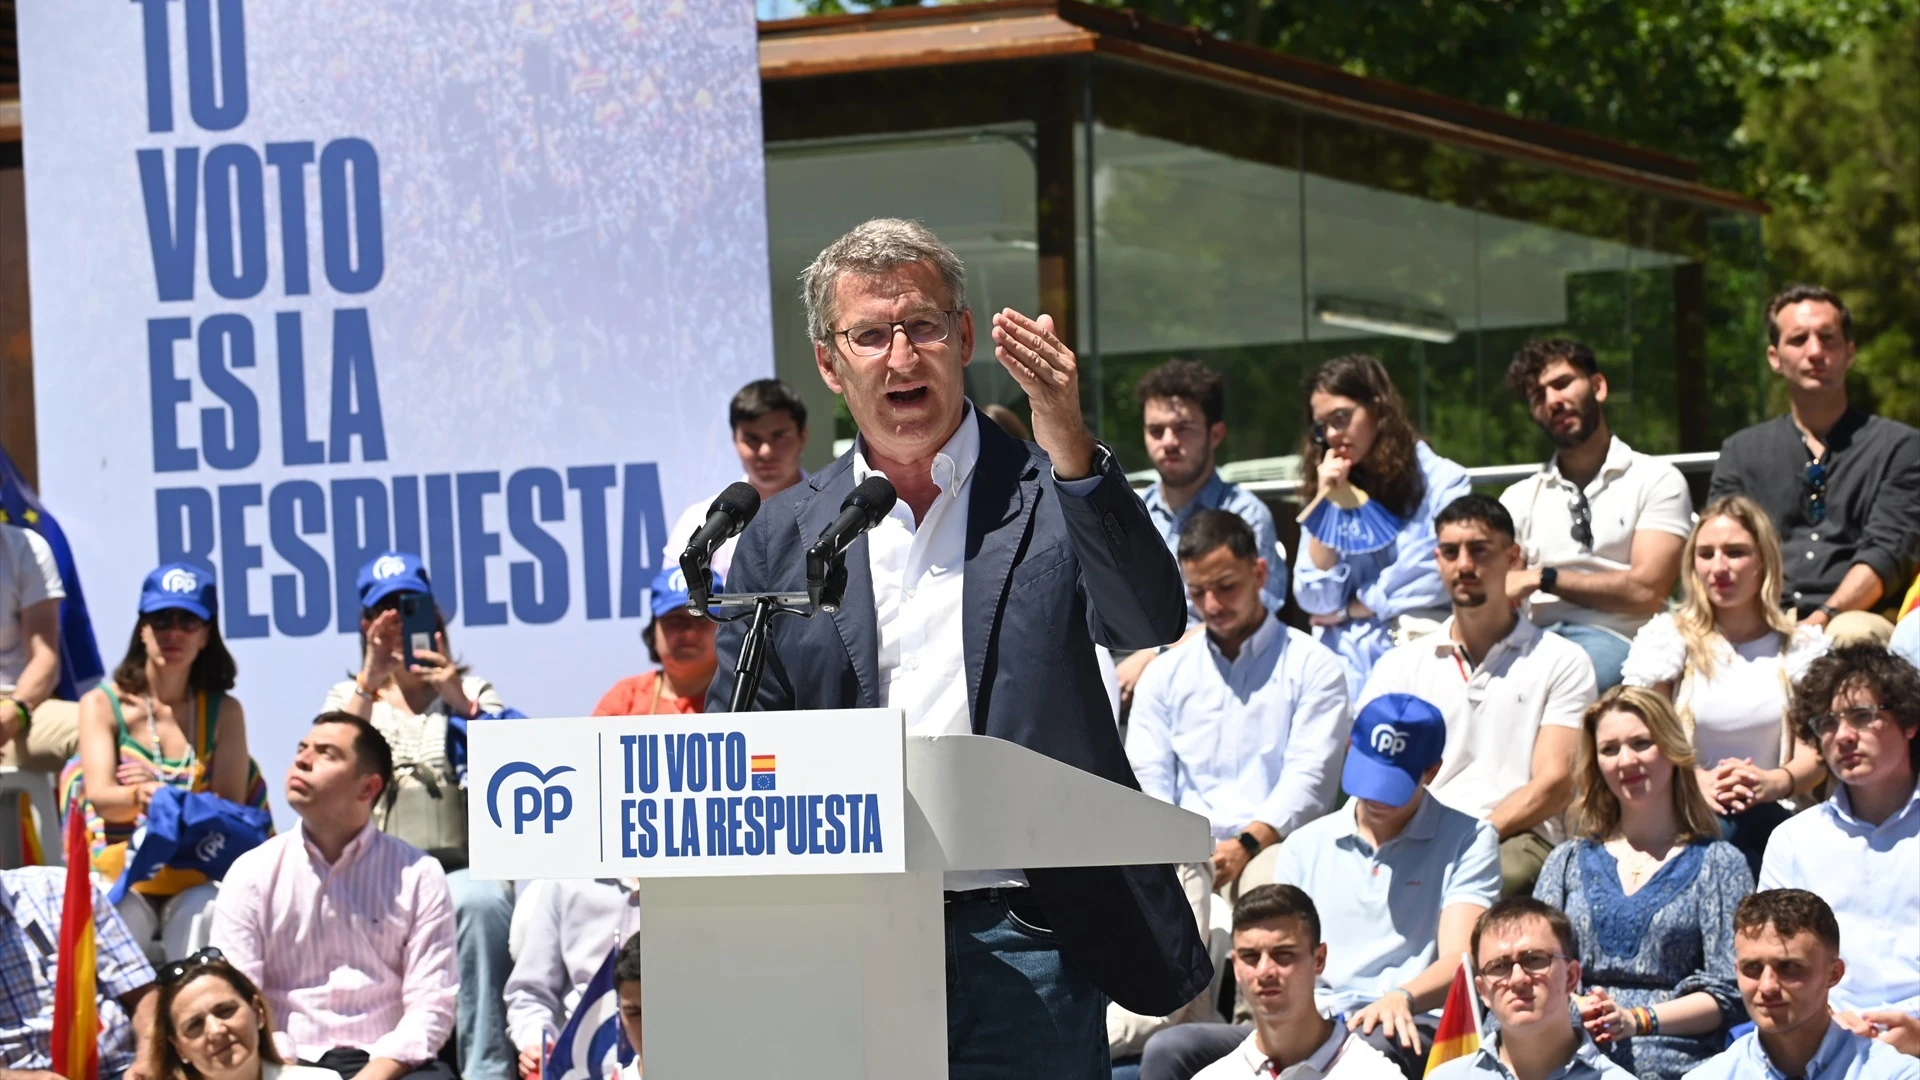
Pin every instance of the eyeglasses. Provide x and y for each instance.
(1859, 718)
(1532, 962)
(1816, 498)
(876, 338)
(175, 970)
(175, 619)
(1582, 512)
(1337, 420)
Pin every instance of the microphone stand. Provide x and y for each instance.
(764, 606)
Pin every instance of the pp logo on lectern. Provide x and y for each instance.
(537, 800)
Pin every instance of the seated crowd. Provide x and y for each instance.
(1495, 751)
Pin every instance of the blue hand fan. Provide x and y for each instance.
(1349, 522)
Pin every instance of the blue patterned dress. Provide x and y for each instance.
(1671, 938)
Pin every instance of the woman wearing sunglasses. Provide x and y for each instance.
(212, 1023)
(163, 719)
(1358, 435)
(1727, 660)
(1650, 889)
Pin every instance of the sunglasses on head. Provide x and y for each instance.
(175, 619)
(174, 970)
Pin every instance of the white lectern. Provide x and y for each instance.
(842, 977)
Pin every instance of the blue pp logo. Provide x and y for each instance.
(537, 800)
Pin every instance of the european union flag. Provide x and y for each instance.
(763, 781)
(79, 656)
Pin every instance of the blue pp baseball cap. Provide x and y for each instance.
(392, 572)
(178, 586)
(1395, 740)
(669, 590)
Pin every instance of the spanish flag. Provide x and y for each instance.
(30, 852)
(76, 1012)
(1459, 1031)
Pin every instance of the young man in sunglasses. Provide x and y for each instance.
(1602, 524)
(1526, 974)
(30, 906)
(1842, 485)
(1860, 850)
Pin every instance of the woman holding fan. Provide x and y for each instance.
(1372, 486)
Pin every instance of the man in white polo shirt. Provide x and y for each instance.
(1601, 525)
(1402, 877)
(1512, 693)
(1245, 723)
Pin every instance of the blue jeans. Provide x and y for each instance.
(482, 913)
(1606, 649)
(1016, 1008)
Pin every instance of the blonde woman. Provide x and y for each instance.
(1727, 660)
(1650, 889)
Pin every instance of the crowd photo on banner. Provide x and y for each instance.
(1597, 772)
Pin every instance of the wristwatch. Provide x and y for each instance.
(1549, 577)
(1250, 842)
(1830, 612)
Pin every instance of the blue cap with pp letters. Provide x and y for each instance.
(1396, 739)
(669, 590)
(178, 585)
(392, 572)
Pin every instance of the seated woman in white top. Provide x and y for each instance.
(211, 1023)
(1727, 659)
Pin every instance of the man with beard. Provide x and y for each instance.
(1601, 524)
(1511, 692)
(1183, 416)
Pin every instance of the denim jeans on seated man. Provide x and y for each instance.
(1003, 967)
(1606, 649)
(482, 915)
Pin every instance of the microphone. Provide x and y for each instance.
(726, 517)
(865, 507)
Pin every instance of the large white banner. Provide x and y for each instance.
(471, 278)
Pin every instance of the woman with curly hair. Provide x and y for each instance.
(1650, 889)
(1359, 436)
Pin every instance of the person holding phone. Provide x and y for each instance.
(1358, 435)
(420, 698)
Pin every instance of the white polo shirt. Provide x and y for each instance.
(1385, 927)
(28, 576)
(1631, 492)
(1530, 679)
(1344, 1056)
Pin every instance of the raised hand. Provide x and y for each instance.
(1047, 371)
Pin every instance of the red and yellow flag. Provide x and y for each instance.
(31, 853)
(1459, 1031)
(76, 1012)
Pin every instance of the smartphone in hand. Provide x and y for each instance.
(419, 621)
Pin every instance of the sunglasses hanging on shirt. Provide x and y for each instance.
(1816, 497)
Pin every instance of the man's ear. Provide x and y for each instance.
(1216, 434)
(1599, 381)
(823, 362)
(1839, 972)
(1320, 958)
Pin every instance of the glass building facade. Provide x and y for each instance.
(1191, 211)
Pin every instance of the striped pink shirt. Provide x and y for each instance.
(357, 954)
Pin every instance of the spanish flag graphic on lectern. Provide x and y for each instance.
(762, 766)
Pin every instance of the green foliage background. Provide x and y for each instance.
(1811, 105)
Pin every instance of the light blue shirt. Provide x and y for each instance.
(1870, 875)
(1256, 738)
(1906, 638)
(1587, 1063)
(1396, 580)
(1220, 495)
(1380, 909)
(1842, 1056)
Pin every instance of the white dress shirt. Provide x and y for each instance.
(919, 571)
(1256, 738)
(1530, 679)
(1870, 875)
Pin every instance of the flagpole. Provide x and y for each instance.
(1473, 994)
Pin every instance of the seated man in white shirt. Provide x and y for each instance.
(1860, 850)
(562, 932)
(1244, 724)
(769, 424)
(347, 931)
(1601, 524)
(1786, 956)
(1277, 958)
(1512, 693)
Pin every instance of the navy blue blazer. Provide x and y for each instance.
(1047, 575)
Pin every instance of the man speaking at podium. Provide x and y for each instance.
(974, 607)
